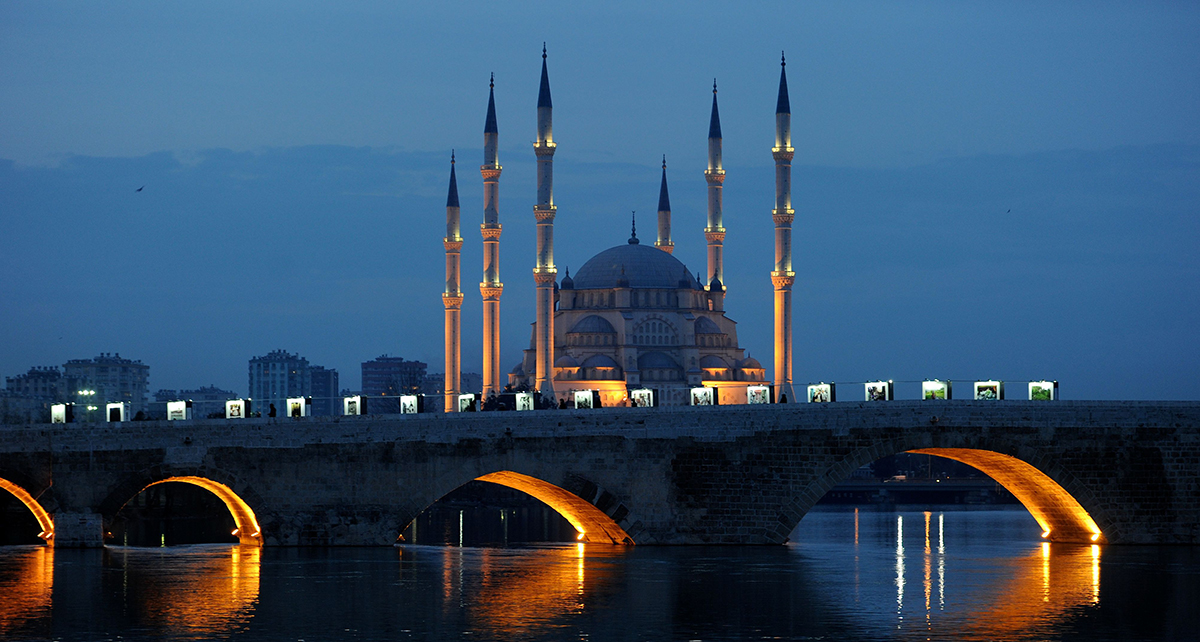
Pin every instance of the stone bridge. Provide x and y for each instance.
(1115, 472)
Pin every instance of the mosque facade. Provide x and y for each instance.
(633, 316)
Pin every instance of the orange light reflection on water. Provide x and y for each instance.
(1051, 584)
(516, 594)
(195, 593)
(26, 582)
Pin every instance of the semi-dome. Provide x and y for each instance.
(655, 360)
(566, 361)
(593, 323)
(642, 266)
(713, 362)
(705, 325)
(749, 362)
(600, 361)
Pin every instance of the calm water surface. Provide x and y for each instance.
(848, 576)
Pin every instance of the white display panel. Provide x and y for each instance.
(643, 398)
(412, 404)
(179, 410)
(237, 408)
(467, 403)
(356, 405)
(758, 394)
(524, 400)
(935, 389)
(989, 390)
(299, 406)
(116, 412)
(878, 390)
(703, 396)
(61, 413)
(821, 393)
(587, 399)
(1043, 390)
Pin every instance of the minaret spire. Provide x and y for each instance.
(452, 297)
(664, 242)
(714, 233)
(544, 272)
(782, 277)
(491, 288)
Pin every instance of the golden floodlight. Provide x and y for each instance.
(43, 518)
(1059, 514)
(593, 525)
(243, 516)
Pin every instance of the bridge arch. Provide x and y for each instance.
(44, 520)
(248, 530)
(1054, 498)
(590, 522)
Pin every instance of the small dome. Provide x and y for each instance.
(705, 325)
(656, 360)
(519, 370)
(593, 323)
(566, 361)
(599, 361)
(568, 283)
(713, 362)
(749, 362)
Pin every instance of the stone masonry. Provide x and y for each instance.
(702, 475)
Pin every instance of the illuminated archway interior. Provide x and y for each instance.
(1061, 517)
(593, 525)
(32, 504)
(247, 531)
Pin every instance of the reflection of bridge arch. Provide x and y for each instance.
(34, 507)
(248, 530)
(210, 593)
(593, 524)
(1051, 495)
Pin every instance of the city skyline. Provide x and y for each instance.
(965, 211)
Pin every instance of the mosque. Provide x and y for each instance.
(633, 316)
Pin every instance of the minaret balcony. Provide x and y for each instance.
(783, 280)
(783, 153)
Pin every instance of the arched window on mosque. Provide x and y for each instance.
(654, 332)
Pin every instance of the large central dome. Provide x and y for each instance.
(641, 266)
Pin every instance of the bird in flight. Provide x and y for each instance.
(140, 188)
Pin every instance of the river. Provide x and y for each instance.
(847, 575)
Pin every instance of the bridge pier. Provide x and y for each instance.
(345, 525)
(78, 530)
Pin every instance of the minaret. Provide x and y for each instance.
(544, 274)
(491, 288)
(664, 242)
(452, 297)
(782, 277)
(715, 233)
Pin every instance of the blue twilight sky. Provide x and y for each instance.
(983, 189)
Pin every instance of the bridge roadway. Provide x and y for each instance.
(1088, 471)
